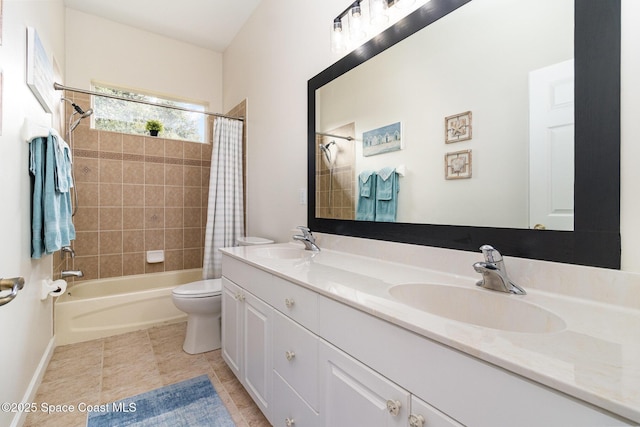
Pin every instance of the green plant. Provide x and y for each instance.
(154, 125)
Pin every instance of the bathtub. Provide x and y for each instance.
(105, 307)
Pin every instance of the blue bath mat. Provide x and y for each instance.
(190, 403)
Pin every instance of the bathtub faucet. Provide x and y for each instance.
(71, 273)
(69, 250)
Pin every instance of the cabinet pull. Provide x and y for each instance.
(289, 355)
(289, 302)
(393, 406)
(289, 421)
(240, 296)
(416, 420)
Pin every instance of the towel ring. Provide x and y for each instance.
(14, 285)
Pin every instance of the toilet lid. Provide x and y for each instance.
(201, 288)
(250, 241)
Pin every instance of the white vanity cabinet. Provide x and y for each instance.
(246, 341)
(309, 360)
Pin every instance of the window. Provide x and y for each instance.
(131, 117)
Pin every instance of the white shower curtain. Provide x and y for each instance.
(225, 214)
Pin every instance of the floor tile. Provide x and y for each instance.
(113, 368)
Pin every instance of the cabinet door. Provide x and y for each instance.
(424, 415)
(354, 395)
(257, 367)
(232, 326)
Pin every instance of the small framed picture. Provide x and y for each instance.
(457, 127)
(457, 165)
(382, 140)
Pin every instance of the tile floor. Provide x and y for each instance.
(109, 369)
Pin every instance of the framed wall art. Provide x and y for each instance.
(39, 71)
(382, 140)
(457, 165)
(457, 127)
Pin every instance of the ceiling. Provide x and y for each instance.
(211, 24)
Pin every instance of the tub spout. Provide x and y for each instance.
(71, 273)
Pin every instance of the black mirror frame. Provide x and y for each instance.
(595, 240)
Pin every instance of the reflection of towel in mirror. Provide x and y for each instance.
(366, 210)
(51, 224)
(387, 187)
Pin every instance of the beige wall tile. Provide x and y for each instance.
(154, 173)
(110, 141)
(110, 171)
(132, 172)
(132, 144)
(110, 242)
(132, 241)
(110, 195)
(133, 195)
(132, 218)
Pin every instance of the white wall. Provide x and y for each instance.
(26, 321)
(105, 51)
(287, 42)
(630, 152)
(284, 43)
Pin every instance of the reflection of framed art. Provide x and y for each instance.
(457, 165)
(382, 140)
(457, 127)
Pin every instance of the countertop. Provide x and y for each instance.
(595, 357)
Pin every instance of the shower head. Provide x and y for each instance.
(326, 151)
(78, 110)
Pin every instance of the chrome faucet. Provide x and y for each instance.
(307, 238)
(494, 272)
(69, 250)
(71, 273)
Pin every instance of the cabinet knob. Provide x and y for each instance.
(416, 420)
(289, 302)
(241, 297)
(289, 355)
(289, 421)
(393, 406)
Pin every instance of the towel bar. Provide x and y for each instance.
(14, 284)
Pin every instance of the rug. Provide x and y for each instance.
(190, 403)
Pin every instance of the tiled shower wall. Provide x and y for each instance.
(136, 194)
(335, 187)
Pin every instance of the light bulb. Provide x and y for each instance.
(378, 11)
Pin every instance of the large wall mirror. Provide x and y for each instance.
(502, 118)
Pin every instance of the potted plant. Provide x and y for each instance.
(154, 126)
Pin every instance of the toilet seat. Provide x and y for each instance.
(199, 289)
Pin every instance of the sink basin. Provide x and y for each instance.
(283, 253)
(481, 307)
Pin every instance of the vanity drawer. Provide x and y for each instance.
(254, 280)
(295, 357)
(289, 408)
(294, 301)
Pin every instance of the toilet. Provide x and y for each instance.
(202, 301)
(253, 241)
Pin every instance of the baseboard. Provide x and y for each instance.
(36, 380)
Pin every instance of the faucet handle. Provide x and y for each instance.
(491, 254)
(306, 231)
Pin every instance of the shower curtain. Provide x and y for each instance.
(225, 214)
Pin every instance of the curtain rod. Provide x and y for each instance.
(58, 86)
(348, 138)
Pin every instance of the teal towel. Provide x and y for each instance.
(366, 209)
(63, 178)
(51, 224)
(387, 187)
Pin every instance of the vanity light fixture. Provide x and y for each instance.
(364, 19)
